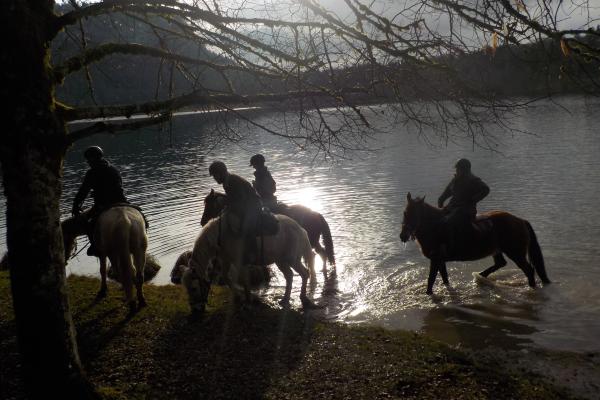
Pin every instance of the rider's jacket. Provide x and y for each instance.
(105, 182)
(264, 183)
(240, 194)
(465, 193)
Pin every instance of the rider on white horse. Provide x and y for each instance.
(104, 180)
(244, 203)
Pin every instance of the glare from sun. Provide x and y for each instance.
(307, 196)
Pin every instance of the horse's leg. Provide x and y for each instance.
(322, 253)
(434, 266)
(140, 264)
(103, 286)
(444, 273)
(522, 263)
(289, 277)
(304, 274)
(126, 268)
(499, 262)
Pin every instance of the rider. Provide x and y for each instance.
(107, 186)
(465, 190)
(243, 202)
(264, 183)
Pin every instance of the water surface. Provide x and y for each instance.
(552, 179)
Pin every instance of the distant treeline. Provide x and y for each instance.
(526, 70)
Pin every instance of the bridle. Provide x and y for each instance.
(412, 231)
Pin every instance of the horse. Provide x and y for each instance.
(219, 239)
(313, 223)
(120, 236)
(508, 235)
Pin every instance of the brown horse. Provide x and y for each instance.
(313, 223)
(120, 235)
(508, 234)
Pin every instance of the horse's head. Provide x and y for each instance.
(71, 228)
(214, 203)
(413, 215)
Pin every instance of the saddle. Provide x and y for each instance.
(267, 223)
(458, 241)
(482, 225)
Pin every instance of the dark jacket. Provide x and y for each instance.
(241, 196)
(105, 182)
(465, 193)
(264, 183)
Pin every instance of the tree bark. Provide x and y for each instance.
(32, 148)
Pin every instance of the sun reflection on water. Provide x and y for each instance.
(310, 197)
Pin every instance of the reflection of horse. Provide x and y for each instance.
(218, 239)
(120, 235)
(313, 223)
(510, 235)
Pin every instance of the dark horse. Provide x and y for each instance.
(313, 223)
(508, 234)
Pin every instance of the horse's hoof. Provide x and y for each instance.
(429, 292)
(141, 304)
(310, 305)
(101, 294)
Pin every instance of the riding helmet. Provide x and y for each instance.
(463, 164)
(257, 160)
(93, 153)
(217, 167)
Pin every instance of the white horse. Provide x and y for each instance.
(120, 236)
(219, 240)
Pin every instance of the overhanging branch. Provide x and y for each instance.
(199, 99)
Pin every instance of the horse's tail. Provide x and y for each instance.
(122, 252)
(327, 240)
(309, 259)
(535, 255)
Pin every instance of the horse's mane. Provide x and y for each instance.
(430, 210)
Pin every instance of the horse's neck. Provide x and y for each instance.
(430, 222)
(205, 247)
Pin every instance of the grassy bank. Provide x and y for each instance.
(257, 353)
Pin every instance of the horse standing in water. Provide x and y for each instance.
(313, 223)
(120, 236)
(220, 239)
(509, 234)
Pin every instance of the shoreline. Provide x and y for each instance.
(267, 352)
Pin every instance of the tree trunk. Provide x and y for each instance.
(32, 147)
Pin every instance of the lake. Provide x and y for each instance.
(551, 178)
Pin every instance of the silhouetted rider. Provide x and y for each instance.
(106, 185)
(264, 184)
(243, 202)
(465, 190)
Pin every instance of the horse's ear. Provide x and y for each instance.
(212, 191)
(423, 199)
(408, 197)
